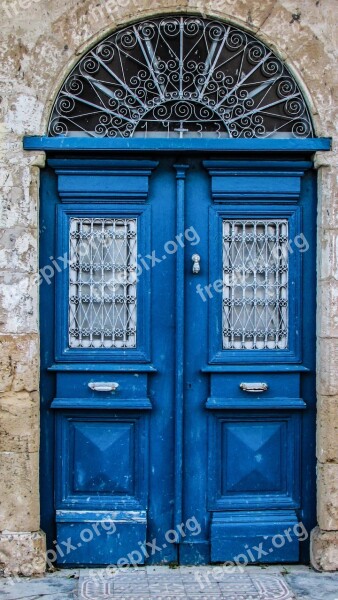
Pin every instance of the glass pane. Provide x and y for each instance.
(255, 284)
(102, 283)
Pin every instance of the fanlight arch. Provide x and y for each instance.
(180, 76)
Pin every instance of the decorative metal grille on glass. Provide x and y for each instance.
(255, 284)
(102, 283)
(180, 77)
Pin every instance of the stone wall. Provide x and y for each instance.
(41, 40)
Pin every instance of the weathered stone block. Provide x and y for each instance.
(327, 504)
(324, 550)
(19, 499)
(18, 251)
(19, 422)
(19, 365)
(327, 429)
(18, 303)
(17, 207)
(17, 168)
(327, 317)
(328, 195)
(327, 366)
(252, 14)
(328, 255)
(24, 114)
(22, 553)
(293, 29)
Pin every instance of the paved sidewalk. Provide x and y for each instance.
(183, 583)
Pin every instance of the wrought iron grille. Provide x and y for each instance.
(102, 283)
(255, 284)
(180, 77)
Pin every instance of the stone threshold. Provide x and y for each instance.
(280, 582)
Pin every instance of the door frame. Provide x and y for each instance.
(56, 147)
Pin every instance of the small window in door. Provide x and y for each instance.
(255, 284)
(102, 282)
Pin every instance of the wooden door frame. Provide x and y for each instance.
(294, 149)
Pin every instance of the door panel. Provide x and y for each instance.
(182, 398)
(103, 309)
(257, 273)
(267, 460)
(113, 318)
(248, 357)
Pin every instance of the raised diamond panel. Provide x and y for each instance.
(258, 464)
(104, 458)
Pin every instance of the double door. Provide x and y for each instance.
(177, 359)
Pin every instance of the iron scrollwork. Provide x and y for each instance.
(180, 77)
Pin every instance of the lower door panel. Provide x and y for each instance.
(254, 485)
(255, 537)
(101, 485)
(101, 538)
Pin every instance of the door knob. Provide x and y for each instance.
(196, 267)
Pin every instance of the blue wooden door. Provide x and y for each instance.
(177, 299)
(249, 361)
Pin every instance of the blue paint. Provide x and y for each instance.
(244, 483)
(255, 538)
(115, 535)
(257, 403)
(173, 145)
(109, 180)
(248, 181)
(179, 345)
(108, 368)
(275, 368)
(179, 439)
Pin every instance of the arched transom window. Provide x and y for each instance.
(180, 76)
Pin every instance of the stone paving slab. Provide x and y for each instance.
(183, 583)
(61, 585)
(313, 586)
